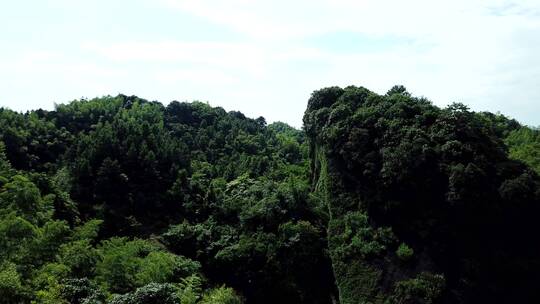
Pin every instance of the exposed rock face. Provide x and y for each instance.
(424, 204)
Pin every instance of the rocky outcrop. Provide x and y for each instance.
(424, 204)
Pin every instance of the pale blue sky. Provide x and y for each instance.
(266, 57)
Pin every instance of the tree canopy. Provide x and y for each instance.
(406, 180)
(378, 199)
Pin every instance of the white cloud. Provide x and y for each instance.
(196, 77)
(247, 57)
(282, 19)
(481, 52)
(36, 79)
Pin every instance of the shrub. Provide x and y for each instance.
(404, 252)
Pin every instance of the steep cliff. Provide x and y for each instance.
(425, 205)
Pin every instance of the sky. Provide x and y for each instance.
(265, 57)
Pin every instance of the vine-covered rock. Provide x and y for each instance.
(393, 170)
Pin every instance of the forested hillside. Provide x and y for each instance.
(379, 199)
(425, 204)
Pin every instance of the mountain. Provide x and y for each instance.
(425, 204)
(379, 199)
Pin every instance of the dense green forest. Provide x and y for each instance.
(379, 199)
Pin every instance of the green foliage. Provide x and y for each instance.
(5, 166)
(162, 267)
(50, 274)
(87, 231)
(84, 187)
(16, 235)
(81, 291)
(80, 256)
(356, 281)
(46, 245)
(440, 179)
(32, 140)
(191, 288)
(11, 289)
(152, 293)
(221, 295)
(23, 196)
(360, 238)
(524, 145)
(120, 262)
(254, 239)
(47, 283)
(404, 252)
(125, 264)
(398, 89)
(426, 288)
(124, 200)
